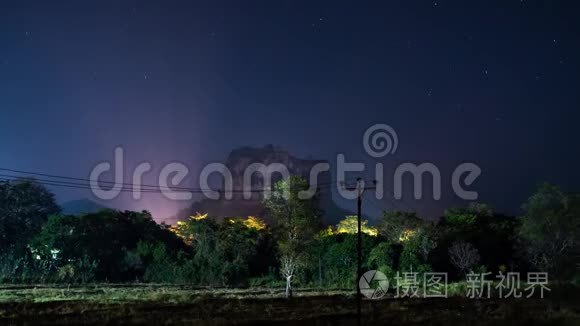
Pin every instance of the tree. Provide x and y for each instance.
(474, 209)
(238, 243)
(227, 253)
(395, 224)
(24, 206)
(381, 258)
(350, 225)
(416, 248)
(549, 229)
(467, 222)
(463, 255)
(202, 234)
(339, 257)
(298, 221)
(105, 237)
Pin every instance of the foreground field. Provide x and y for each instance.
(180, 305)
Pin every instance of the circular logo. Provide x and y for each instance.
(373, 284)
(380, 140)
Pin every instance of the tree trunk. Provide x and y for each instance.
(319, 271)
(289, 287)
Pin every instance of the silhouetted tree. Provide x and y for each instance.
(550, 229)
(298, 220)
(24, 206)
(394, 224)
(463, 255)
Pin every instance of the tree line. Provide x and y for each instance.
(41, 245)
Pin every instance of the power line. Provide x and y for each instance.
(393, 203)
(125, 188)
(88, 180)
(55, 182)
(66, 185)
(87, 184)
(148, 188)
(402, 201)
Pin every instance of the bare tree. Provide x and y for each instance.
(288, 268)
(463, 255)
(298, 219)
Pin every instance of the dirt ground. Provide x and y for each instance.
(171, 307)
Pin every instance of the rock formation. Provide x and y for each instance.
(237, 162)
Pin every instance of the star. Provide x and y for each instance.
(320, 21)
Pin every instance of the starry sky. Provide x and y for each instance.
(491, 82)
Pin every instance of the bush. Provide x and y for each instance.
(25, 269)
(81, 271)
(267, 281)
(458, 289)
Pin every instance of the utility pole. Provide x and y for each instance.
(360, 188)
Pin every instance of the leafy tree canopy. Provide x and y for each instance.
(24, 206)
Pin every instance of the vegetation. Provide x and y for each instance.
(24, 207)
(550, 229)
(463, 256)
(297, 220)
(40, 245)
(153, 304)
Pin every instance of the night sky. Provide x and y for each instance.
(491, 82)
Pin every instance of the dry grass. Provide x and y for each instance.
(156, 304)
(162, 293)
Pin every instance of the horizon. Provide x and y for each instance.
(459, 83)
(287, 161)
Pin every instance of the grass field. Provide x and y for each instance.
(135, 293)
(184, 305)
